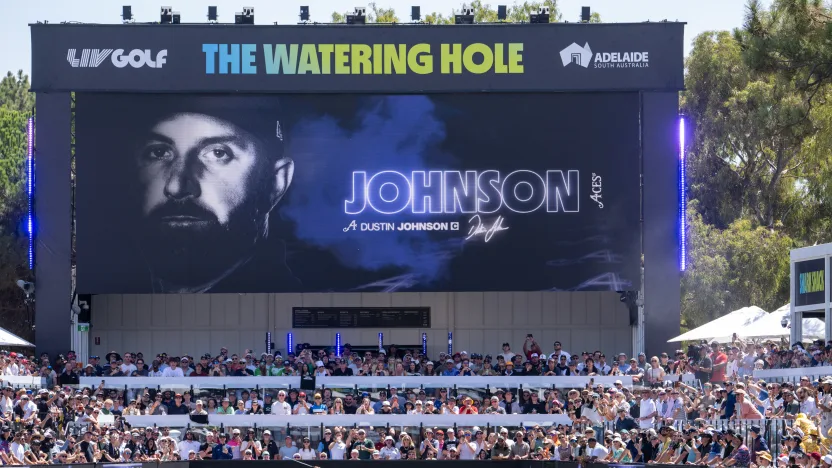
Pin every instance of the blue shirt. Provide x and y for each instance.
(318, 409)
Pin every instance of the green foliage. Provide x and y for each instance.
(483, 13)
(760, 158)
(14, 92)
(728, 269)
(15, 107)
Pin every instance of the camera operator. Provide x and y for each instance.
(700, 363)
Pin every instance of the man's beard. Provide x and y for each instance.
(186, 246)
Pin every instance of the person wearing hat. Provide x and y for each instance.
(388, 450)
(824, 403)
(764, 459)
(222, 451)
(207, 174)
(758, 443)
(302, 406)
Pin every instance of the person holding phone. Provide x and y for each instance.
(530, 347)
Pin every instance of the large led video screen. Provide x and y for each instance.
(357, 193)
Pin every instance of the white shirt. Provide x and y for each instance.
(467, 450)
(173, 372)
(17, 450)
(389, 453)
(809, 407)
(128, 370)
(307, 454)
(646, 407)
(11, 369)
(600, 452)
(449, 410)
(338, 450)
(281, 408)
(30, 408)
(508, 356)
(186, 446)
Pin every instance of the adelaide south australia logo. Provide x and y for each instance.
(584, 57)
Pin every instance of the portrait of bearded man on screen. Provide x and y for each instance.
(209, 171)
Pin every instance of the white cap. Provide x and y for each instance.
(319, 363)
(827, 459)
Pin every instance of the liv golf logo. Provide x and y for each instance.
(136, 58)
(584, 57)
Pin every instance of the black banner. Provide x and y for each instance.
(392, 58)
(470, 192)
(360, 317)
(809, 282)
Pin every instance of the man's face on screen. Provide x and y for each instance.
(206, 188)
(196, 170)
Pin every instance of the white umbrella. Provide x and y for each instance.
(8, 338)
(771, 326)
(722, 328)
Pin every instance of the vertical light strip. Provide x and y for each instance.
(380, 341)
(450, 343)
(424, 344)
(337, 345)
(290, 344)
(268, 342)
(683, 202)
(30, 188)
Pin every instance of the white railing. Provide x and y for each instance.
(360, 382)
(793, 374)
(23, 381)
(187, 382)
(362, 420)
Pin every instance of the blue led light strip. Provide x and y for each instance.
(338, 345)
(290, 344)
(30, 188)
(683, 202)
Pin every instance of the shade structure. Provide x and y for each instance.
(771, 326)
(722, 328)
(8, 338)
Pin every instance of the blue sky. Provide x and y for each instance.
(701, 15)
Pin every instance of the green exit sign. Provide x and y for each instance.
(83, 327)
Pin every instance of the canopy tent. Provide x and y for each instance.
(771, 326)
(8, 338)
(723, 327)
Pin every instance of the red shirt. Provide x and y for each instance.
(719, 374)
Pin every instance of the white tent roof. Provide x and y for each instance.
(770, 326)
(723, 327)
(8, 338)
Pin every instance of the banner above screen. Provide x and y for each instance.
(372, 58)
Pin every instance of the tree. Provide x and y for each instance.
(483, 13)
(375, 15)
(791, 38)
(733, 268)
(15, 107)
(14, 92)
(750, 127)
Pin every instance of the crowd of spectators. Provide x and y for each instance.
(708, 362)
(661, 419)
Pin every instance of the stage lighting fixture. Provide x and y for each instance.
(415, 13)
(359, 17)
(502, 12)
(465, 16)
(542, 16)
(126, 13)
(304, 13)
(586, 14)
(166, 15)
(212, 13)
(246, 17)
